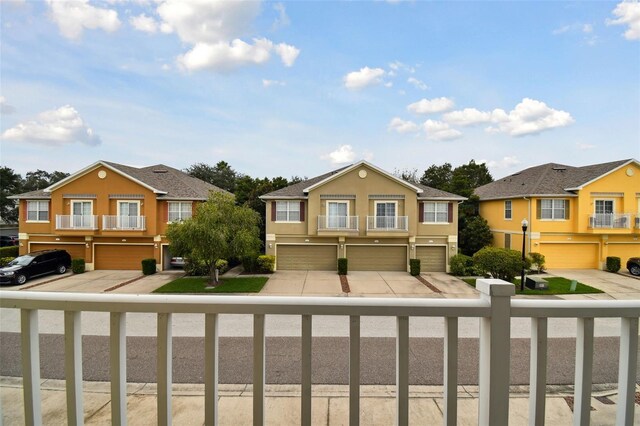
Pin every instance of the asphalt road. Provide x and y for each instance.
(330, 359)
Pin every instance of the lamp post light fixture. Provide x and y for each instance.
(525, 225)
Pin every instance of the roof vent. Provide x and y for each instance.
(560, 169)
(160, 170)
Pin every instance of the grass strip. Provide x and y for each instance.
(557, 285)
(192, 285)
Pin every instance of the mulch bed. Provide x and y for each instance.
(428, 284)
(344, 282)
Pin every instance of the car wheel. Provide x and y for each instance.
(634, 270)
(61, 269)
(21, 279)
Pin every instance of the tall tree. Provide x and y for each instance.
(467, 177)
(438, 177)
(220, 175)
(41, 179)
(10, 184)
(409, 175)
(220, 229)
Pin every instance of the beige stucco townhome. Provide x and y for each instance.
(373, 218)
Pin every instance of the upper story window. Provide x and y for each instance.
(37, 211)
(179, 211)
(287, 211)
(507, 209)
(436, 212)
(553, 209)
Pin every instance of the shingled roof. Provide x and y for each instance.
(296, 190)
(549, 179)
(167, 182)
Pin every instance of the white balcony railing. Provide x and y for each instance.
(495, 308)
(76, 221)
(337, 223)
(610, 220)
(387, 223)
(123, 223)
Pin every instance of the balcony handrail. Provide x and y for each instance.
(495, 308)
(123, 222)
(610, 220)
(76, 221)
(330, 223)
(387, 223)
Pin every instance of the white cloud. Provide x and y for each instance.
(584, 146)
(467, 117)
(5, 108)
(439, 131)
(401, 126)
(430, 106)
(144, 23)
(505, 163)
(528, 117)
(627, 13)
(417, 83)
(54, 127)
(344, 154)
(269, 83)
(574, 28)
(363, 78)
(73, 16)
(282, 20)
(288, 54)
(223, 56)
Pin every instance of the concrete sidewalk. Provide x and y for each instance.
(330, 404)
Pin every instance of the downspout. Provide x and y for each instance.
(529, 220)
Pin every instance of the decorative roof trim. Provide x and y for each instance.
(386, 197)
(607, 194)
(30, 197)
(356, 165)
(94, 166)
(337, 197)
(578, 188)
(126, 196)
(80, 196)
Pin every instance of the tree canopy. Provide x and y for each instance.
(219, 229)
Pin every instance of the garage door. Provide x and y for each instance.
(314, 258)
(623, 251)
(77, 251)
(432, 259)
(377, 258)
(121, 257)
(570, 256)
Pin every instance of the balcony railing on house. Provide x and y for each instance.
(495, 309)
(387, 223)
(337, 223)
(76, 222)
(610, 220)
(123, 223)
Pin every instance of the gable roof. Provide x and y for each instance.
(300, 190)
(551, 179)
(168, 183)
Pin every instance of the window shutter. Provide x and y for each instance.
(273, 211)
(25, 205)
(538, 209)
(301, 211)
(420, 212)
(567, 203)
(450, 213)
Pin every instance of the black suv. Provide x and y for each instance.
(34, 264)
(633, 265)
(6, 241)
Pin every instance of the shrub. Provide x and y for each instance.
(250, 263)
(613, 263)
(148, 266)
(5, 260)
(77, 266)
(414, 266)
(196, 268)
(343, 266)
(462, 265)
(504, 264)
(538, 260)
(10, 251)
(266, 263)
(222, 266)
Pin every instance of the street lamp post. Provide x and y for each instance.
(525, 224)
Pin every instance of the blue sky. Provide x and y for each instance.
(299, 88)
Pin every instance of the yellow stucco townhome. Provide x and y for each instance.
(374, 219)
(109, 214)
(577, 215)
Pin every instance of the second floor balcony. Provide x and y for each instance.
(123, 223)
(611, 221)
(76, 222)
(387, 223)
(338, 223)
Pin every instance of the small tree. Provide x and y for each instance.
(475, 235)
(504, 264)
(219, 230)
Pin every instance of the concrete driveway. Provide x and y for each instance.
(615, 286)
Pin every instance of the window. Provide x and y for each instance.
(507, 241)
(38, 211)
(507, 209)
(179, 211)
(552, 209)
(287, 211)
(81, 214)
(337, 212)
(604, 213)
(435, 212)
(129, 215)
(385, 214)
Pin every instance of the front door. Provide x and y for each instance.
(337, 215)
(81, 214)
(386, 215)
(129, 215)
(604, 213)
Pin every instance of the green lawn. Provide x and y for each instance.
(199, 285)
(557, 285)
